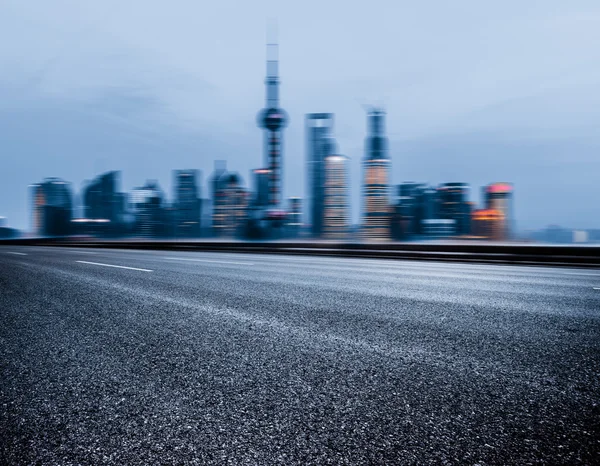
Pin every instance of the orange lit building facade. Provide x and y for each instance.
(489, 224)
(499, 197)
(376, 204)
(376, 217)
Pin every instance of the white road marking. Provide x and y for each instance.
(17, 253)
(597, 288)
(116, 266)
(207, 260)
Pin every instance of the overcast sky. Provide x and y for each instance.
(475, 91)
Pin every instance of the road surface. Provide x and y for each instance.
(153, 357)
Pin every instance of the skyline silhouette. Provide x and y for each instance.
(473, 93)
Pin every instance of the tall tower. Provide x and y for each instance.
(499, 196)
(453, 205)
(319, 144)
(335, 225)
(273, 119)
(376, 207)
(188, 202)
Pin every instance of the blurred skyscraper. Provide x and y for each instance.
(489, 224)
(103, 206)
(52, 207)
(147, 206)
(230, 204)
(376, 204)
(261, 187)
(336, 208)
(453, 204)
(187, 205)
(273, 119)
(499, 196)
(410, 210)
(216, 189)
(100, 198)
(294, 217)
(319, 144)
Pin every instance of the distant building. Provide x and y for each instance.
(230, 205)
(100, 198)
(294, 217)
(147, 207)
(376, 205)
(7, 232)
(216, 187)
(413, 204)
(580, 236)
(438, 227)
(489, 224)
(273, 119)
(261, 187)
(499, 196)
(336, 215)
(453, 204)
(319, 144)
(103, 206)
(554, 234)
(52, 206)
(594, 236)
(206, 216)
(188, 205)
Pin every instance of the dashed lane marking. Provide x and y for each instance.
(116, 266)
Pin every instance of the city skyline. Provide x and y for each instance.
(495, 218)
(532, 126)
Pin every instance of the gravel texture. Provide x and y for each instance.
(252, 359)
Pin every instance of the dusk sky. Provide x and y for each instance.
(474, 91)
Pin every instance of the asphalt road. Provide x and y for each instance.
(255, 359)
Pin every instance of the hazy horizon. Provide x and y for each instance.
(475, 93)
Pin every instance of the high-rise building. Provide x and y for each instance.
(499, 196)
(273, 119)
(453, 204)
(294, 217)
(438, 227)
(100, 198)
(261, 187)
(187, 206)
(429, 205)
(147, 206)
(319, 144)
(336, 215)
(216, 188)
(417, 212)
(230, 205)
(376, 204)
(412, 201)
(52, 204)
(103, 206)
(489, 224)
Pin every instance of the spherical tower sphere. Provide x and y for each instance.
(272, 119)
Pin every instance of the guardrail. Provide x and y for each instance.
(578, 256)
